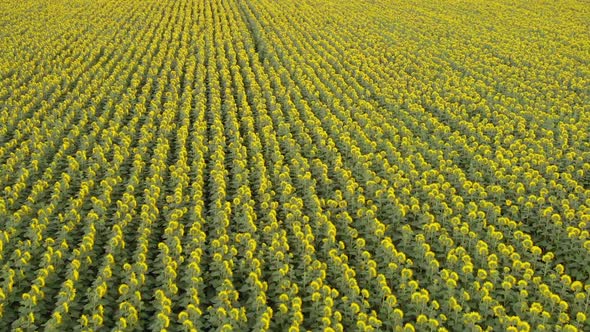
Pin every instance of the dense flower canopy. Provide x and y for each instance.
(224, 165)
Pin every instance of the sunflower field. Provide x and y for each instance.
(280, 165)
